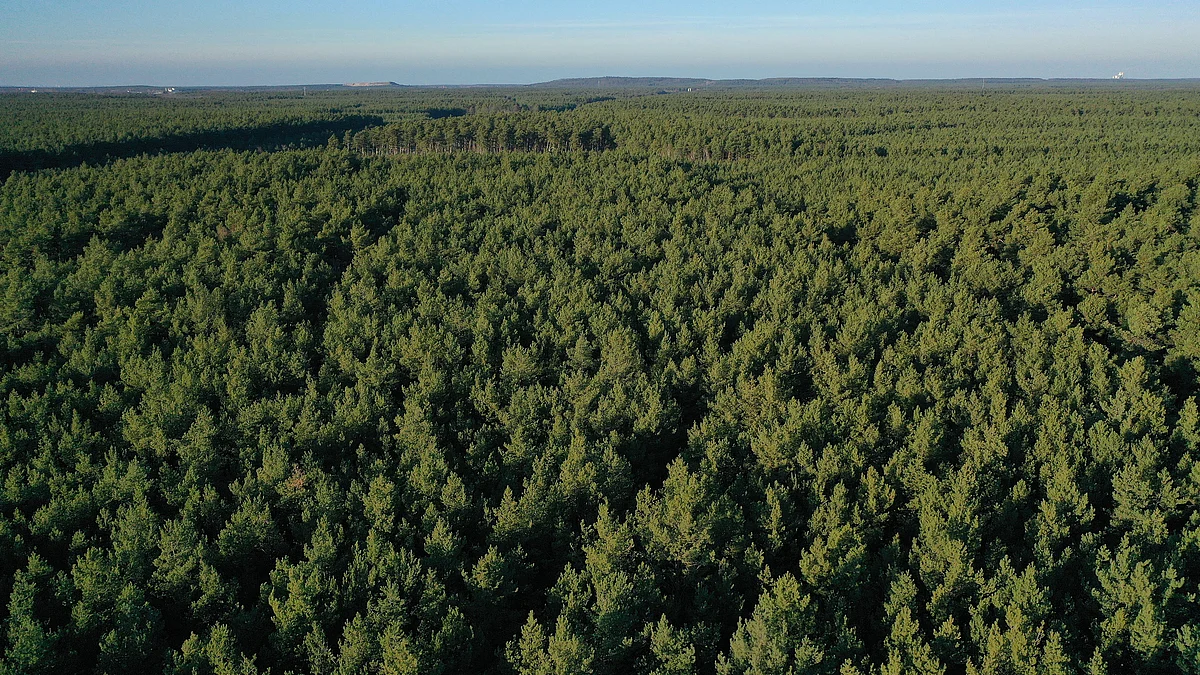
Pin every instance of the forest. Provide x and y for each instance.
(534, 381)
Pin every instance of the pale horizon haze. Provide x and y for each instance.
(267, 42)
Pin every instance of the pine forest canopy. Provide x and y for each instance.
(600, 379)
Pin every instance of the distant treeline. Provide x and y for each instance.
(707, 126)
(54, 123)
(59, 130)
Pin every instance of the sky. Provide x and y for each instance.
(262, 42)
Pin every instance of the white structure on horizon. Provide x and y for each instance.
(1119, 76)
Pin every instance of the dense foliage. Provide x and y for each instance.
(777, 382)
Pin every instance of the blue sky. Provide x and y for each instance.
(222, 42)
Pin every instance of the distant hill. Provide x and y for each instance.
(630, 82)
(683, 83)
(695, 82)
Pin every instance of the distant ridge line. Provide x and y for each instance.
(696, 82)
(616, 81)
(665, 84)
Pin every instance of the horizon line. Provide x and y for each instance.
(707, 81)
